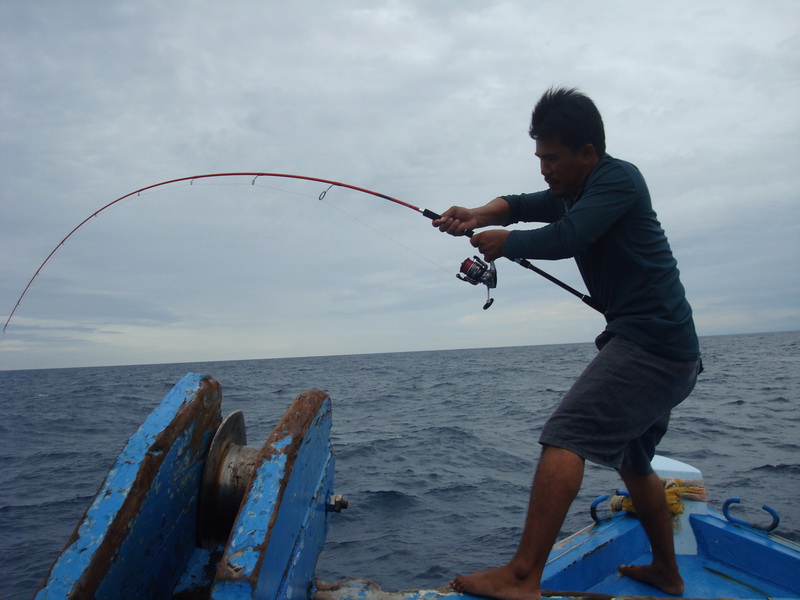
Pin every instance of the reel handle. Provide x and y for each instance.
(476, 272)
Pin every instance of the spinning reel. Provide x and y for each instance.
(475, 271)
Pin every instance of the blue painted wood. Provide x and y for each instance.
(745, 550)
(283, 520)
(579, 561)
(139, 532)
(731, 561)
(197, 577)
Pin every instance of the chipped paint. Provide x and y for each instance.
(158, 462)
(283, 521)
(251, 527)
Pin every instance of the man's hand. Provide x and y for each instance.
(490, 243)
(456, 220)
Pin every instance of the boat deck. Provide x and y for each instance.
(704, 579)
(727, 562)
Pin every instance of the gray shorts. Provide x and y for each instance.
(618, 409)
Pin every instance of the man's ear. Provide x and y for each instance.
(588, 152)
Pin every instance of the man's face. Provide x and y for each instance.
(564, 170)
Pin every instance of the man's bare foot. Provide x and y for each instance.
(668, 582)
(503, 583)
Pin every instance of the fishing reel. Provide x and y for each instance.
(475, 271)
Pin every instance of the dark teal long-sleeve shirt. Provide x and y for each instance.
(621, 250)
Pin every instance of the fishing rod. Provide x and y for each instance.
(473, 271)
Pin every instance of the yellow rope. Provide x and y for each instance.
(675, 490)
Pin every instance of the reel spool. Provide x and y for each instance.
(476, 271)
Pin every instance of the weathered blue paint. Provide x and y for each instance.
(250, 529)
(302, 523)
(138, 533)
(163, 532)
(283, 522)
(138, 539)
(580, 561)
(745, 551)
(300, 576)
(730, 561)
(199, 572)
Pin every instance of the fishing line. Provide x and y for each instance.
(382, 234)
(471, 270)
(322, 198)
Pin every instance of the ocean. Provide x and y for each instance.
(435, 450)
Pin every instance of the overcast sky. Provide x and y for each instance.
(424, 101)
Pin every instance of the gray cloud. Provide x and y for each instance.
(424, 101)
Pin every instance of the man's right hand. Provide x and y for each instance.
(456, 220)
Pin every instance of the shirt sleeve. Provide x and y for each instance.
(538, 207)
(609, 193)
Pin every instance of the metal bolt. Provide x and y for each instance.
(337, 504)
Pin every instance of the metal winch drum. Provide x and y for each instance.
(229, 469)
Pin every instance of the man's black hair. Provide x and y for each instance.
(567, 115)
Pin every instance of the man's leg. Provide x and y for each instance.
(649, 500)
(555, 485)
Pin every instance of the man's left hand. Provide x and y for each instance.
(490, 243)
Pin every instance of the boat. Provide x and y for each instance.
(190, 511)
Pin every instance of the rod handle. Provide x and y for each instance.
(433, 216)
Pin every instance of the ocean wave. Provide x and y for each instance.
(44, 504)
(389, 500)
(780, 469)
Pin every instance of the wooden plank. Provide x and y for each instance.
(283, 520)
(139, 532)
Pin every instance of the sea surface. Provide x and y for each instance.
(435, 450)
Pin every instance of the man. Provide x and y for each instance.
(598, 211)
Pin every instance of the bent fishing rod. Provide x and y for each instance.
(474, 271)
